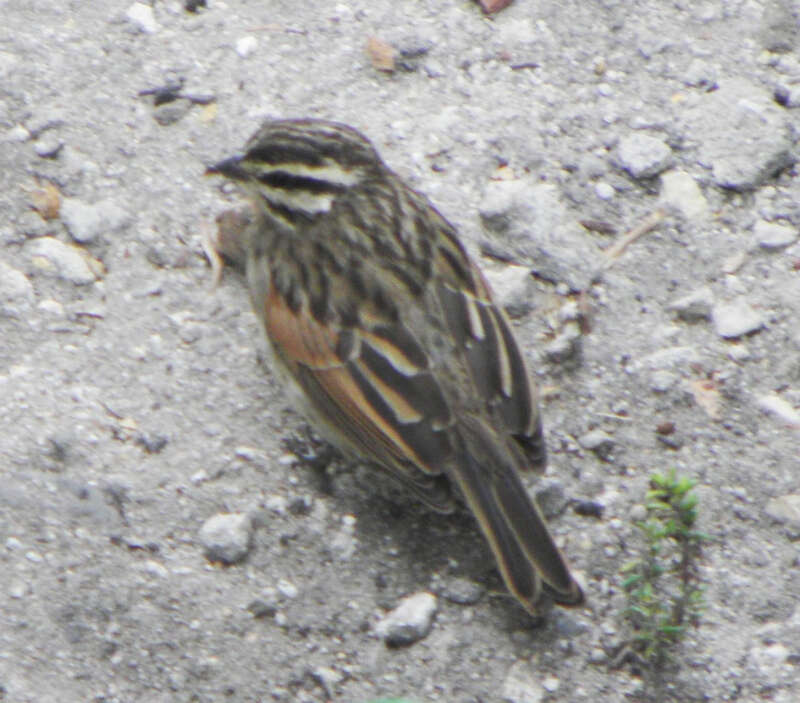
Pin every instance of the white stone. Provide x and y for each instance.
(246, 46)
(141, 16)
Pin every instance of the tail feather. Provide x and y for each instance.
(528, 558)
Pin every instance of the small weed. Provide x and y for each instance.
(665, 596)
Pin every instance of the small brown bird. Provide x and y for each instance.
(387, 329)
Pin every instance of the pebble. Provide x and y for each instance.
(461, 591)
(48, 146)
(682, 193)
(51, 307)
(171, 112)
(778, 30)
(154, 568)
(734, 262)
(785, 509)
(662, 380)
(739, 352)
(287, 589)
(521, 684)
(16, 291)
(410, 621)
(696, 305)
(551, 684)
(246, 46)
(141, 16)
(745, 136)
(226, 537)
(772, 235)
(736, 318)
(598, 442)
(327, 678)
(644, 156)
(567, 344)
(33, 226)
(604, 190)
(513, 288)
(700, 74)
(343, 544)
(551, 498)
(86, 222)
(52, 256)
(276, 503)
(18, 589)
(17, 133)
(773, 404)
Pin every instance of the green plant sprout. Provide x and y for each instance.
(664, 591)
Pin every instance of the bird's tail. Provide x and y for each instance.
(487, 475)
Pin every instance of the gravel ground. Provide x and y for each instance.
(135, 406)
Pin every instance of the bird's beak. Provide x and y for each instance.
(230, 167)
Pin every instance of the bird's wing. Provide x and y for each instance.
(372, 384)
(481, 330)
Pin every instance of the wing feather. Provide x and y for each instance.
(374, 387)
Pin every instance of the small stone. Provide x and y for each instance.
(49, 255)
(700, 74)
(48, 146)
(598, 442)
(597, 656)
(739, 352)
(17, 133)
(644, 156)
(226, 537)
(141, 16)
(513, 288)
(604, 191)
(301, 505)
(327, 678)
(785, 509)
(773, 404)
(171, 112)
(694, 306)
(287, 589)
(736, 318)
(343, 543)
(567, 345)
(18, 589)
(681, 192)
(734, 262)
(16, 291)
(246, 46)
(771, 235)
(744, 136)
(276, 503)
(266, 606)
(779, 25)
(589, 508)
(154, 568)
(551, 684)
(86, 222)
(521, 684)
(461, 591)
(662, 380)
(410, 621)
(51, 307)
(33, 226)
(551, 498)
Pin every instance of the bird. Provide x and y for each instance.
(389, 339)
